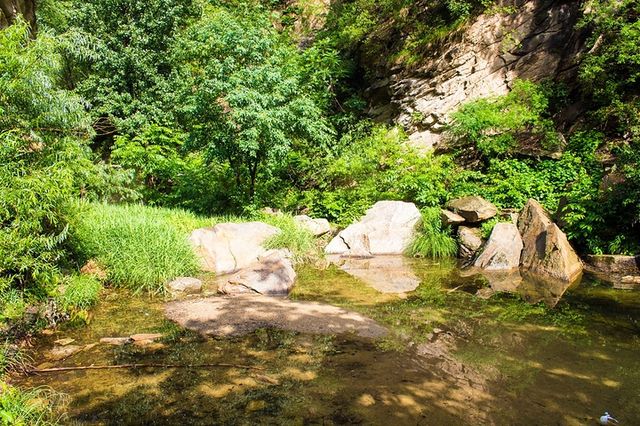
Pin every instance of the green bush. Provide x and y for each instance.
(494, 125)
(370, 164)
(433, 240)
(141, 247)
(42, 158)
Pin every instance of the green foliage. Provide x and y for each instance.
(242, 97)
(27, 408)
(42, 160)
(494, 125)
(141, 247)
(394, 30)
(610, 73)
(121, 61)
(433, 241)
(368, 165)
(167, 175)
(80, 292)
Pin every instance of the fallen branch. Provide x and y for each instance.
(108, 367)
(455, 289)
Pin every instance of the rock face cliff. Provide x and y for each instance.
(532, 40)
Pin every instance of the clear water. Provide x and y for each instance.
(452, 358)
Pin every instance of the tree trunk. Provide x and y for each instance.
(253, 170)
(10, 9)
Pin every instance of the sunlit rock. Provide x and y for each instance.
(474, 209)
(388, 227)
(317, 227)
(502, 250)
(546, 250)
(229, 247)
(469, 241)
(449, 218)
(271, 275)
(185, 285)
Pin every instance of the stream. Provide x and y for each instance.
(451, 357)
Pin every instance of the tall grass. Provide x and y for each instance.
(433, 240)
(80, 292)
(141, 247)
(34, 407)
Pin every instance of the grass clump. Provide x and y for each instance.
(433, 241)
(35, 407)
(141, 247)
(81, 292)
(302, 243)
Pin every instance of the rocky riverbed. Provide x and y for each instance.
(449, 357)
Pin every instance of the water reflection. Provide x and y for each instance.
(532, 288)
(387, 274)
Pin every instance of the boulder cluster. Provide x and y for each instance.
(529, 241)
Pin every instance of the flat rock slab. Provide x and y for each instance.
(234, 316)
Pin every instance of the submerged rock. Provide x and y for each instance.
(271, 275)
(502, 250)
(185, 285)
(317, 227)
(229, 247)
(532, 288)
(59, 353)
(388, 227)
(614, 264)
(474, 209)
(234, 316)
(469, 241)
(387, 274)
(116, 341)
(546, 250)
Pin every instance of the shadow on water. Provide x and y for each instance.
(452, 358)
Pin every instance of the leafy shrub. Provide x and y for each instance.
(141, 247)
(42, 157)
(169, 176)
(433, 240)
(370, 164)
(493, 125)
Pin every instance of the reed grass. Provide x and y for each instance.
(433, 240)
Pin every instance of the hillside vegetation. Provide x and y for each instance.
(219, 108)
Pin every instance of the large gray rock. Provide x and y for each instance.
(229, 247)
(317, 227)
(502, 250)
(474, 209)
(469, 241)
(388, 227)
(271, 275)
(185, 285)
(546, 249)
